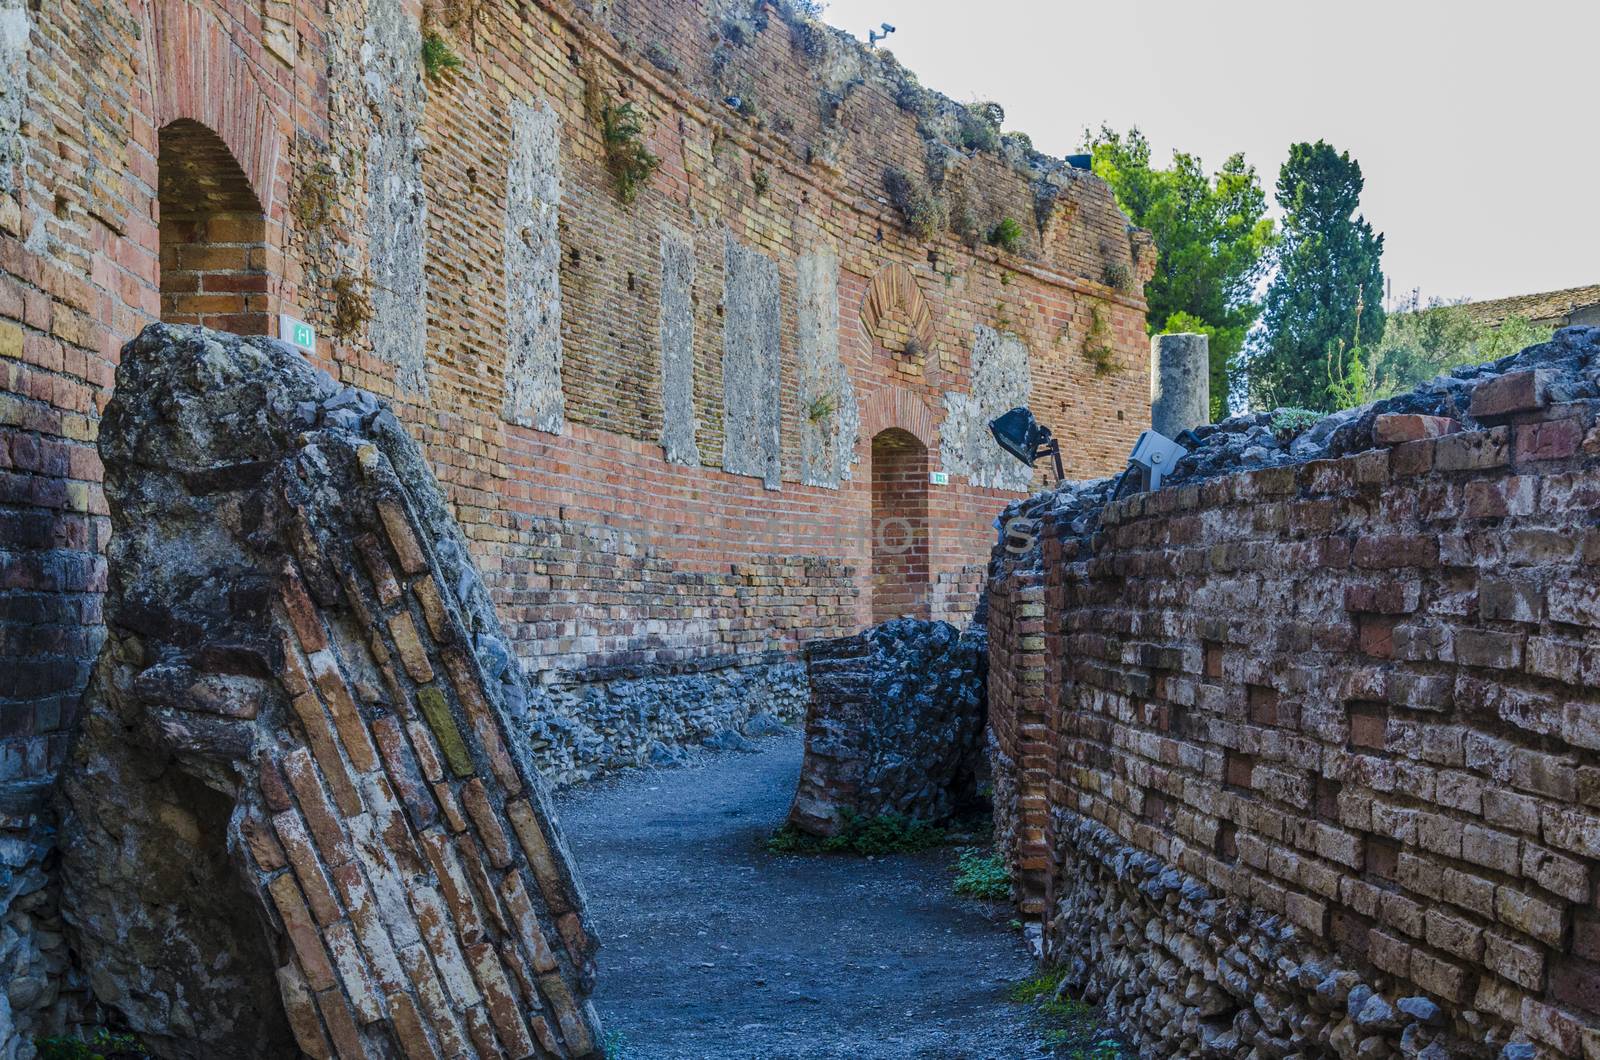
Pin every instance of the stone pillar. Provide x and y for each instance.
(1180, 383)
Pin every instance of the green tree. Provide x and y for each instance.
(1212, 241)
(1420, 342)
(1329, 270)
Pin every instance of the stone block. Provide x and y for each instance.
(1511, 393)
(1394, 428)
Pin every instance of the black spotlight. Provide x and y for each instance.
(1026, 438)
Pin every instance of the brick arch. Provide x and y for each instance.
(201, 75)
(893, 406)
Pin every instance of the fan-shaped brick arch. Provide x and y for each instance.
(893, 298)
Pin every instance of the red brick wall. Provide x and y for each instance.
(899, 527)
(598, 549)
(1354, 693)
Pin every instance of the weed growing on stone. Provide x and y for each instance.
(889, 833)
(101, 1045)
(1097, 348)
(1007, 235)
(821, 407)
(1286, 423)
(762, 181)
(616, 1045)
(351, 307)
(1075, 1028)
(1117, 275)
(922, 211)
(979, 128)
(438, 59)
(629, 161)
(981, 874)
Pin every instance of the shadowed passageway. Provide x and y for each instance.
(714, 948)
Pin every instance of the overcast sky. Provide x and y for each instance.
(1477, 125)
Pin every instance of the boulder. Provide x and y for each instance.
(302, 813)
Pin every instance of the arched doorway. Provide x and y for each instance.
(213, 235)
(899, 526)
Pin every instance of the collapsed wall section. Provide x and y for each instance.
(303, 812)
(1321, 772)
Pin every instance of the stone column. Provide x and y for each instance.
(1180, 383)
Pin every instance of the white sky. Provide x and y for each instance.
(1477, 125)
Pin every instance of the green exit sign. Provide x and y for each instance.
(939, 478)
(297, 333)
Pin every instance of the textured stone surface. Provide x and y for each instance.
(678, 422)
(397, 213)
(830, 420)
(894, 725)
(1180, 383)
(14, 34)
(303, 807)
(642, 716)
(1340, 694)
(533, 269)
(1001, 380)
(751, 413)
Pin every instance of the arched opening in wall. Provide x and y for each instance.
(899, 526)
(213, 235)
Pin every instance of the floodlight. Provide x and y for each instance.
(1025, 438)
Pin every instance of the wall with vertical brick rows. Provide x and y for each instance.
(1344, 713)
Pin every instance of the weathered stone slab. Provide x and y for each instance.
(302, 677)
(1001, 380)
(533, 269)
(678, 420)
(830, 419)
(894, 726)
(751, 394)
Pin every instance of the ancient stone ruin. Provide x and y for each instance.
(894, 725)
(302, 811)
(1300, 755)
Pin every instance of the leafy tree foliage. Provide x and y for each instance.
(1326, 297)
(1212, 238)
(1420, 342)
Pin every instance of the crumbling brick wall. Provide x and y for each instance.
(1323, 746)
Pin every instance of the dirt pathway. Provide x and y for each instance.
(715, 948)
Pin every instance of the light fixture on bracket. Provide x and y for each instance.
(1025, 438)
(1153, 458)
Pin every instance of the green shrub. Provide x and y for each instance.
(981, 874)
(629, 161)
(1007, 235)
(979, 127)
(1097, 348)
(437, 57)
(1287, 423)
(889, 833)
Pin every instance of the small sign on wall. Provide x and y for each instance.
(297, 333)
(939, 478)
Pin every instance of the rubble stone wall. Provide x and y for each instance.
(1320, 771)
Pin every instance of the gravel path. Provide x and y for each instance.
(714, 948)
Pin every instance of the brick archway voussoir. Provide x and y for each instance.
(893, 406)
(202, 75)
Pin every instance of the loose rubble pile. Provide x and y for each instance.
(302, 812)
(894, 725)
(1566, 372)
(634, 719)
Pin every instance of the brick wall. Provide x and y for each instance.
(214, 160)
(1326, 732)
